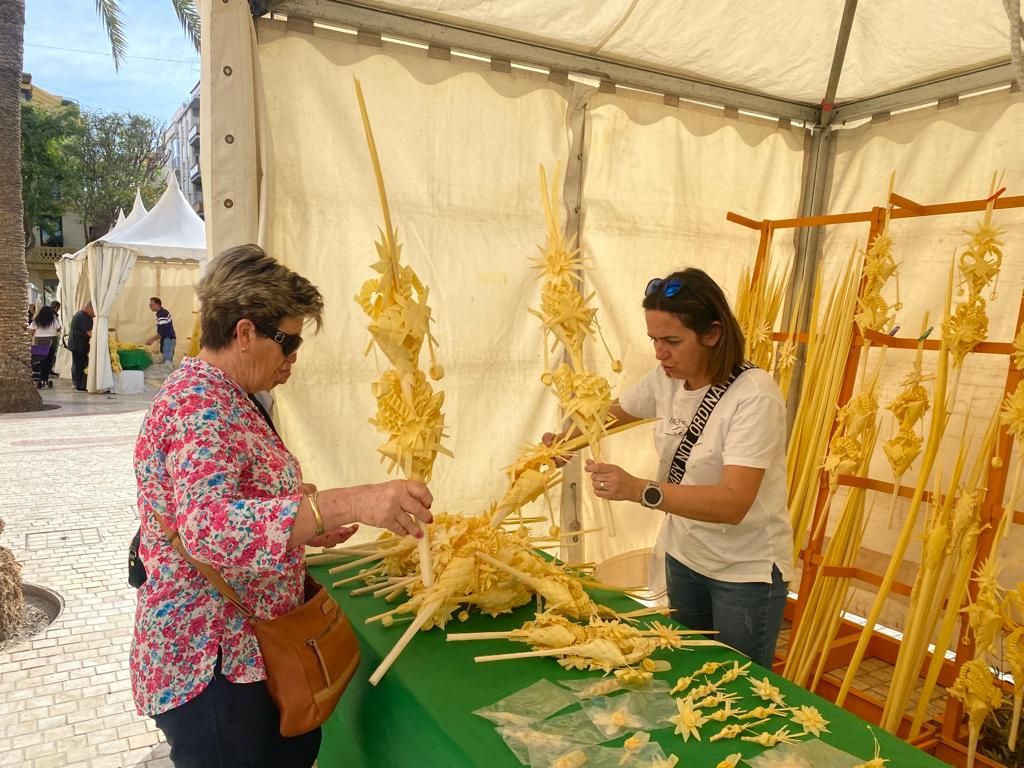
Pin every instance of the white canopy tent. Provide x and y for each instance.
(135, 215)
(663, 115)
(156, 253)
(73, 291)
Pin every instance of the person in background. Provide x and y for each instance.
(79, 341)
(215, 472)
(45, 329)
(164, 330)
(726, 533)
(31, 313)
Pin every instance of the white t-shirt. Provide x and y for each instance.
(747, 428)
(45, 332)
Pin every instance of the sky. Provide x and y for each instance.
(67, 52)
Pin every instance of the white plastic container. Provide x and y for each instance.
(129, 383)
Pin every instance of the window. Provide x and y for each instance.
(51, 231)
(175, 151)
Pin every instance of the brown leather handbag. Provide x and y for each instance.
(310, 653)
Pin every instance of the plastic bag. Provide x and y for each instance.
(522, 738)
(589, 688)
(807, 754)
(576, 757)
(632, 711)
(533, 703)
(558, 733)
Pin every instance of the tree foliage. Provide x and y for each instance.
(115, 154)
(45, 135)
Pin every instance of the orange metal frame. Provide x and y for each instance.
(944, 739)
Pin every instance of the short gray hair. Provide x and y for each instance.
(245, 283)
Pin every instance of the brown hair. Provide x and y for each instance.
(245, 283)
(699, 305)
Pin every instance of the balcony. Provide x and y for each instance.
(193, 172)
(45, 254)
(193, 135)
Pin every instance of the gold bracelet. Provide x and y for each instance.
(315, 506)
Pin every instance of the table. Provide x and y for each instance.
(134, 359)
(421, 712)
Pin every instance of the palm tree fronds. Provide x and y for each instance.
(110, 16)
(188, 15)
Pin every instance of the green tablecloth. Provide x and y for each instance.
(421, 712)
(134, 359)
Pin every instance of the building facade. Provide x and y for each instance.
(54, 235)
(182, 140)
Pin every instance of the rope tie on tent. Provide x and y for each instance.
(1012, 8)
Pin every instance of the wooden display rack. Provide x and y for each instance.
(943, 739)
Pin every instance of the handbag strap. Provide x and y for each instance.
(225, 589)
(700, 420)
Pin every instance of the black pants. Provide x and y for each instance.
(51, 359)
(233, 725)
(79, 362)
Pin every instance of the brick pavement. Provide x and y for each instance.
(69, 504)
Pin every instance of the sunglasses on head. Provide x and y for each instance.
(672, 287)
(290, 342)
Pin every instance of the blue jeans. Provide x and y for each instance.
(167, 349)
(746, 615)
(233, 725)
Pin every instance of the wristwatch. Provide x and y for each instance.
(652, 496)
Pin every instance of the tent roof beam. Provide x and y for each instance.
(406, 26)
(924, 93)
(842, 42)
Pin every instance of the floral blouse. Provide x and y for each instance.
(208, 462)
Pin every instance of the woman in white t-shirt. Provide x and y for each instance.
(45, 327)
(726, 536)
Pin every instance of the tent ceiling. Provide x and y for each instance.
(775, 49)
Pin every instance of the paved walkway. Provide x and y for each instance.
(69, 503)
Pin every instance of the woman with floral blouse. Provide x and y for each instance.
(215, 471)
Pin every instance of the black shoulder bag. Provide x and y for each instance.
(699, 421)
(136, 569)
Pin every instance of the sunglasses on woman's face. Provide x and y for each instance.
(672, 287)
(290, 342)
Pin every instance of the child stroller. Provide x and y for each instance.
(41, 364)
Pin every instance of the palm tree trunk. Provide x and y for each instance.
(17, 392)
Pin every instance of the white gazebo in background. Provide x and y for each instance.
(155, 253)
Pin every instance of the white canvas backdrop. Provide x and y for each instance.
(460, 148)
(174, 282)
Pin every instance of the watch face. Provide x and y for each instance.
(652, 495)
